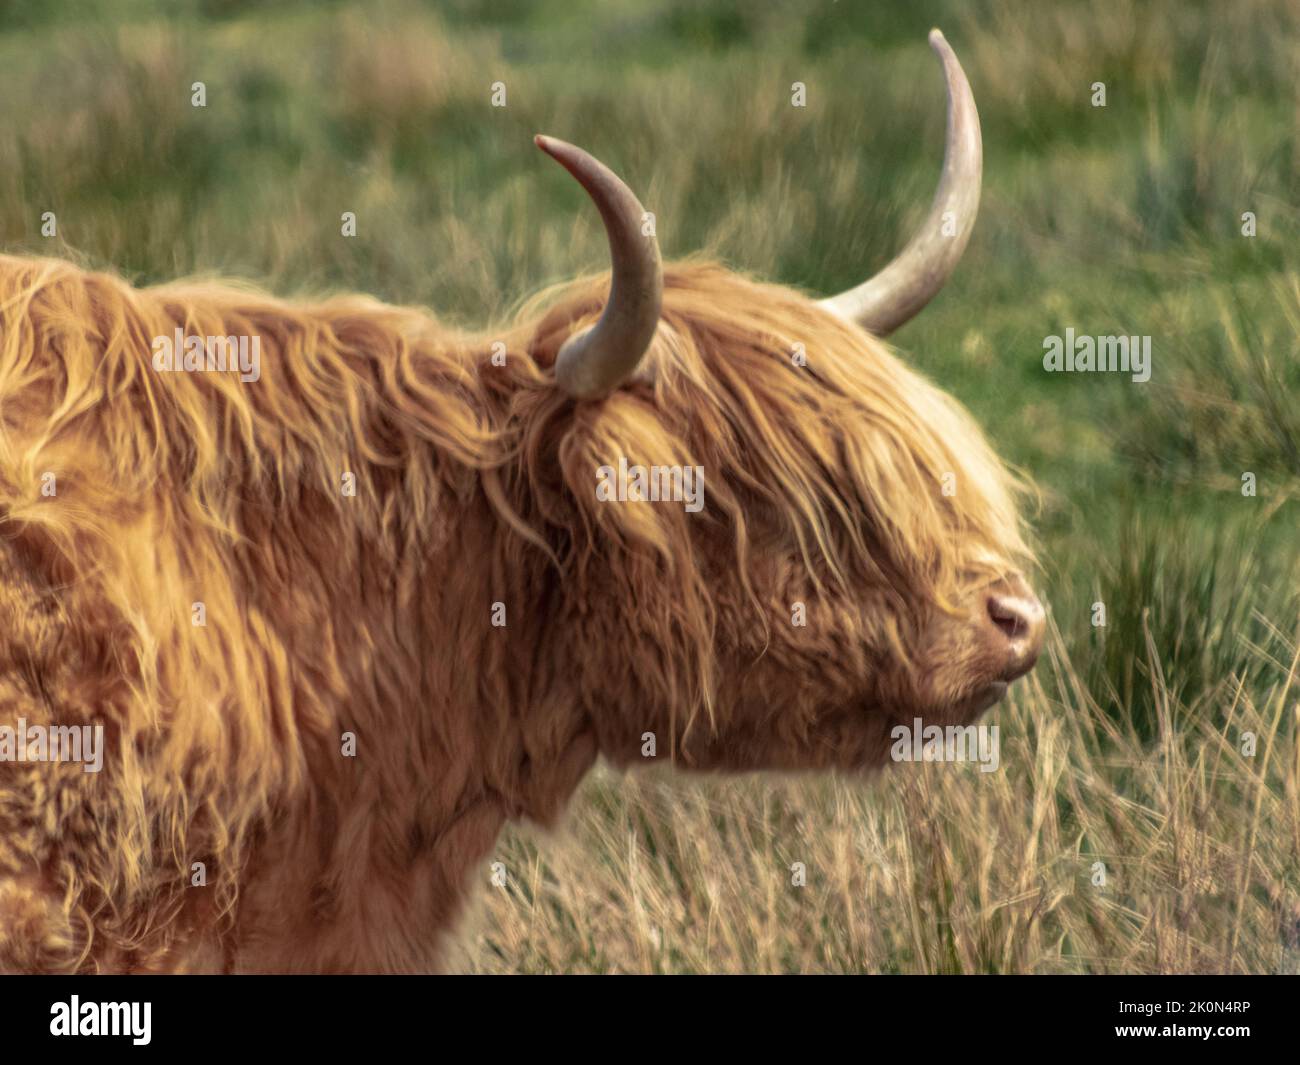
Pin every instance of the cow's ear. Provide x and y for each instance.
(596, 360)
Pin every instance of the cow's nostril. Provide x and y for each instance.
(1009, 615)
(1020, 621)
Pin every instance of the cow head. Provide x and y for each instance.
(839, 549)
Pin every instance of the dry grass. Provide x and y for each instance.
(937, 868)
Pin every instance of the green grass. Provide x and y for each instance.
(1117, 219)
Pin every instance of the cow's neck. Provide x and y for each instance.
(455, 719)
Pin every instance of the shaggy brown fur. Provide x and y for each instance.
(371, 614)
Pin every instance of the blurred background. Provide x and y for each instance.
(1125, 749)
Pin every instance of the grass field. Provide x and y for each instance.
(1126, 746)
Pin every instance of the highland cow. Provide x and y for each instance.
(341, 622)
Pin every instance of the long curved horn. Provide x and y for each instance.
(597, 360)
(884, 302)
